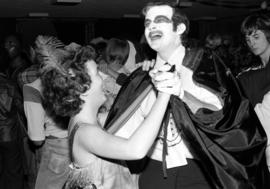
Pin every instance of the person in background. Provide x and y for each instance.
(11, 134)
(119, 63)
(18, 61)
(47, 133)
(18, 58)
(100, 45)
(116, 61)
(213, 41)
(202, 142)
(120, 59)
(32, 154)
(255, 81)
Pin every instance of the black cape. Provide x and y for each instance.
(255, 84)
(230, 143)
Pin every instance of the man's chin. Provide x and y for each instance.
(154, 46)
(255, 52)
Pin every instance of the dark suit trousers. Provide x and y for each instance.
(185, 177)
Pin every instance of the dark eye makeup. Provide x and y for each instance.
(158, 19)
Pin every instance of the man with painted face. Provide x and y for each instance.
(209, 138)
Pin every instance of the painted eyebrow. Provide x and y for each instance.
(157, 17)
(165, 19)
(162, 16)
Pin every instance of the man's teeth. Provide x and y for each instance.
(155, 35)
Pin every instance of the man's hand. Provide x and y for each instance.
(146, 65)
(166, 81)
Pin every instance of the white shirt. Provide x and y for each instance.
(38, 123)
(263, 112)
(177, 150)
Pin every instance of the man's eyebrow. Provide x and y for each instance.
(162, 16)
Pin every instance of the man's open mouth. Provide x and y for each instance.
(155, 35)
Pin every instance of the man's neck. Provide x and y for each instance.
(175, 58)
(166, 55)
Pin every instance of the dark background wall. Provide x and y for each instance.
(83, 30)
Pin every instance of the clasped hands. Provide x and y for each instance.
(163, 79)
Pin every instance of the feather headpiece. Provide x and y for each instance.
(50, 53)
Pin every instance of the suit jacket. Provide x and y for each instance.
(230, 143)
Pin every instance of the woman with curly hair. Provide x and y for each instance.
(75, 89)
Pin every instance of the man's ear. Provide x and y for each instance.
(181, 28)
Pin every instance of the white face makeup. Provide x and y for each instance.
(257, 42)
(159, 31)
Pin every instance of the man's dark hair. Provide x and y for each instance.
(256, 22)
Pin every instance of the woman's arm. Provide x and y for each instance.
(97, 141)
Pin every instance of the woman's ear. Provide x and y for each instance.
(181, 28)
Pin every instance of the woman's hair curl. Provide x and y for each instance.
(62, 90)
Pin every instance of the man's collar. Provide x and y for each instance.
(175, 59)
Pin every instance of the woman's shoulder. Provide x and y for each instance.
(85, 129)
(82, 126)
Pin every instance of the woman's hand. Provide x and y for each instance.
(166, 81)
